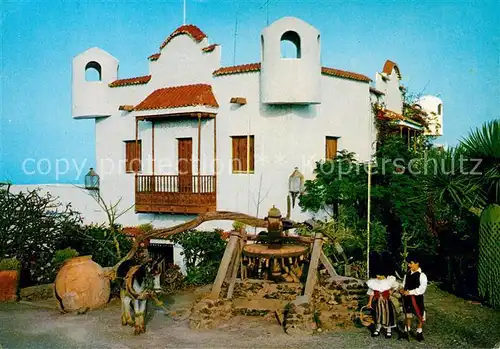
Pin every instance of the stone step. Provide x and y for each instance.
(259, 307)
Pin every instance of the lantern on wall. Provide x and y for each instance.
(295, 184)
(92, 180)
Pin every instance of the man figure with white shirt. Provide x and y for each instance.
(414, 286)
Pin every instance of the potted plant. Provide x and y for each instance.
(9, 276)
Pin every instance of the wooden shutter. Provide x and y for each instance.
(331, 148)
(133, 156)
(240, 153)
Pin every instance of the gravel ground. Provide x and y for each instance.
(25, 326)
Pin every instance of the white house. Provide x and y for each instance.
(193, 136)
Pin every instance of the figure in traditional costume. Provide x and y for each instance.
(380, 288)
(414, 287)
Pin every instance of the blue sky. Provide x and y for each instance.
(449, 49)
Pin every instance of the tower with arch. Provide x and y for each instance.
(433, 106)
(290, 63)
(93, 70)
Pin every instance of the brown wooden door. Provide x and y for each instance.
(185, 165)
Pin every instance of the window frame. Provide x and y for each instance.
(128, 167)
(252, 154)
(327, 138)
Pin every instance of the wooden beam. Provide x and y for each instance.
(238, 100)
(236, 266)
(327, 263)
(199, 151)
(215, 156)
(136, 138)
(313, 267)
(232, 245)
(153, 145)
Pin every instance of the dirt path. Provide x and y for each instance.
(24, 326)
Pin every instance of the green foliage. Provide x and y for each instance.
(237, 226)
(10, 264)
(98, 241)
(63, 255)
(32, 225)
(203, 251)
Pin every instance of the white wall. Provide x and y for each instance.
(286, 136)
(291, 80)
(430, 104)
(389, 84)
(80, 199)
(92, 98)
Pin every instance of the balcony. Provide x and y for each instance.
(181, 194)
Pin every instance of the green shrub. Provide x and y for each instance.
(10, 264)
(238, 225)
(63, 255)
(203, 251)
(97, 240)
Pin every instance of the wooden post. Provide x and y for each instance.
(328, 265)
(136, 141)
(313, 267)
(232, 245)
(215, 155)
(409, 135)
(153, 145)
(236, 265)
(199, 152)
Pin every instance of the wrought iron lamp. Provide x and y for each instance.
(92, 180)
(295, 184)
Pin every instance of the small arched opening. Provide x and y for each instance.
(440, 109)
(290, 45)
(93, 71)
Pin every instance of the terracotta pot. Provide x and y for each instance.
(8, 285)
(80, 284)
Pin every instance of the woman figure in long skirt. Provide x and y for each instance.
(380, 289)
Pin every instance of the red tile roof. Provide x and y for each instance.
(344, 74)
(139, 80)
(178, 97)
(238, 69)
(254, 67)
(154, 57)
(389, 66)
(209, 48)
(387, 114)
(193, 31)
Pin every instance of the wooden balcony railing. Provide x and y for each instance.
(175, 194)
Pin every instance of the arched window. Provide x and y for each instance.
(290, 45)
(440, 109)
(93, 71)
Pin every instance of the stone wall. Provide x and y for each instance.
(36, 293)
(334, 304)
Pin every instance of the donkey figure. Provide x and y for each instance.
(138, 283)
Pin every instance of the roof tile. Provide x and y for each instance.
(238, 69)
(389, 66)
(193, 31)
(255, 67)
(178, 97)
(209, 48)
(154, 56)
(344, 74)
(139, 80)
